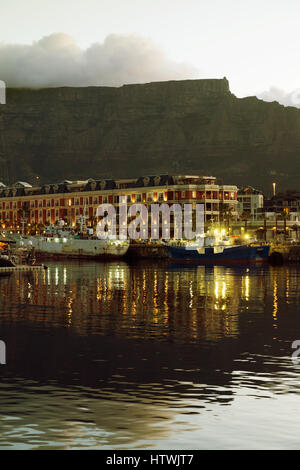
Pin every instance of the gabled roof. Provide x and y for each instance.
(22, 184)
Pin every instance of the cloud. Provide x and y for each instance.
(277, 94)
(56, 60)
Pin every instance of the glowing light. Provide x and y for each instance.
(223, 290)
(217, 290)
(275, 303)
(247, 287)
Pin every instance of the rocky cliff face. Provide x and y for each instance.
(192, 126)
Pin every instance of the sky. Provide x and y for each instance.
(255, 44)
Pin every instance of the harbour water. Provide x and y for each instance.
(150, 355)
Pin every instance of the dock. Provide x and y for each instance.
(145, 250)
(285, 252)
(21, 267)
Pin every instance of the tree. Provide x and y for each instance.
(284, 215)
(295, 227)
(245, 217)
(40, 227)
(225, 211)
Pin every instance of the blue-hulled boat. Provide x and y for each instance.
(219, 254)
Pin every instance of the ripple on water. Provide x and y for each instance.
(112, 355)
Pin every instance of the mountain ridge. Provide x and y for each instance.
(189, 126)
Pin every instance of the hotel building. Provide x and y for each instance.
(23, 204)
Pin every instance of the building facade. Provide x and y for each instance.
(250, 201)
(22, 204)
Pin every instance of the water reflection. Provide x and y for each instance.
(118, 355)
(144, 300)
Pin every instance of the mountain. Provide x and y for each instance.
(190, 127)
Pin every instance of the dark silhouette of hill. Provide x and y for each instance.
(190, 126)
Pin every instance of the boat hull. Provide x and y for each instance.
(46, 248)
(230, 255)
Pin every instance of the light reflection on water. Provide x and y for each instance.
(151, 355)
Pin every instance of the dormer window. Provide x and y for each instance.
(157, 180)
(146, 180)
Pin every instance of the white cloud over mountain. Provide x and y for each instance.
(277, 94)
(56, 60)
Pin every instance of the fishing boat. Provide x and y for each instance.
(208, 249)
(60, 242)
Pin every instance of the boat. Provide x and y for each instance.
(58, 242)
(233, 254)
(61, 247)
(209, 250)
(14, 258)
